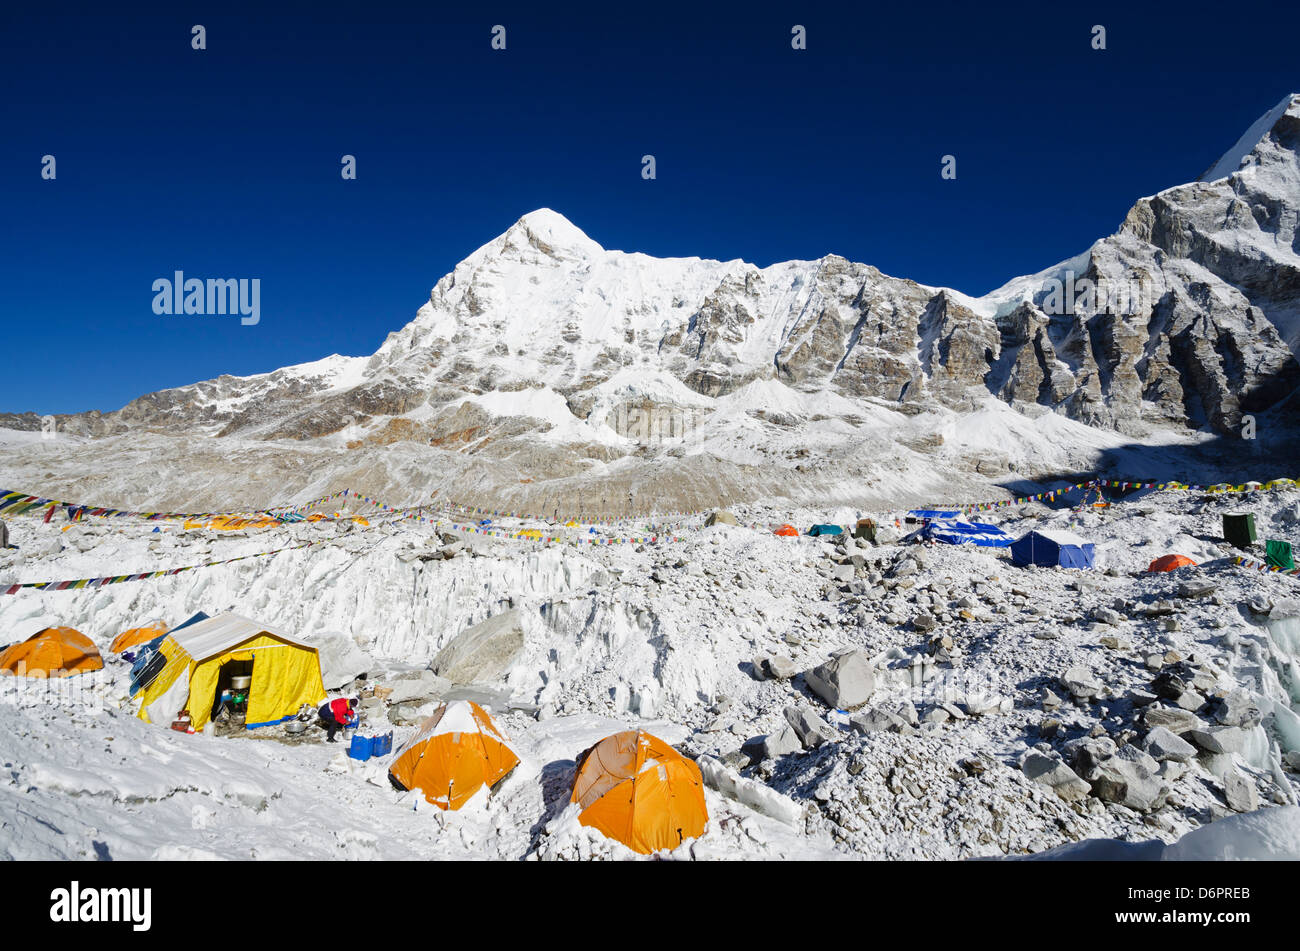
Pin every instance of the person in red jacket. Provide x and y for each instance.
(338, 714)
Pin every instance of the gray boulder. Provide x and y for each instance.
(341, 659)
(844, 682)
(780, 668)
(1218, 739)
(1080, 683)
(483, 652)
(1052, 772)
(1087, 752)
(877, 720)
(418, 690)
(1240, 792)
(811, 729)
(1175, 719)
(1107, 616)
(1162, 744)
(781, 743)
(1238, 709)
(1130, 779)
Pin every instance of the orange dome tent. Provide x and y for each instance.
(53, 652)
(787, 530)
(452, 755)
(137, 636)
(637, 789)
(1170, 562)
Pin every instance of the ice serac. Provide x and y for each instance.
(1193, 320)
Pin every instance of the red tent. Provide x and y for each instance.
(1170, 562)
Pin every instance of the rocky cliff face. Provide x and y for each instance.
(1188, 317)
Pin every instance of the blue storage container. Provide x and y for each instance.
(382, 745)
(360, 748)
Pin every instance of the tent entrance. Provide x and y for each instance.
(234, 686)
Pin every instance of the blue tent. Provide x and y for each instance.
(142, 672)
(967, 533)
(818, 530)
(486, 521)
(1053, 549)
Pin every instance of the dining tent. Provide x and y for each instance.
(285, 672)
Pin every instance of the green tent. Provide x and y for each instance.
(1239, 529)
(866, 528)
(1278, 554)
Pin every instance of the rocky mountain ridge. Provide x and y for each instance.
(1186, 319)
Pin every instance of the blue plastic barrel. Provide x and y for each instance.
(360, 748)
(382, 745)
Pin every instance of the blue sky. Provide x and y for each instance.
(224, 163)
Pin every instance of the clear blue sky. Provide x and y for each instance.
(225, 162)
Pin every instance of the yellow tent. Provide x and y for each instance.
(52, 652)
(637, 789)
(202, 657)
(454, 754)
(137, 636)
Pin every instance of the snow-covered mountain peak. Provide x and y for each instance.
(536, 237)
(553, 229)
(1253, 138)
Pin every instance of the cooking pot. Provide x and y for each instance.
(295, 727)
(241, 683)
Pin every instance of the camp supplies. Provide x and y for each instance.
(1239, 529)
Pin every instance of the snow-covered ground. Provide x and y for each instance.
(673, 638)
